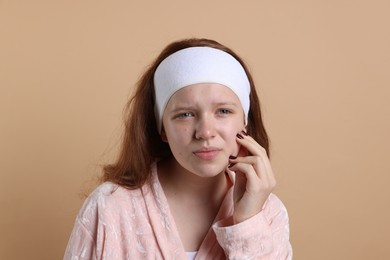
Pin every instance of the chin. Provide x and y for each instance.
(208, 171)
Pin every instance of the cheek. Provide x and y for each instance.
(230, 137)
(235, 147)
(179, 135)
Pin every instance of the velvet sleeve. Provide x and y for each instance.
(81, 245)
(264, 236)
(86, 234)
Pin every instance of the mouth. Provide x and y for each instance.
(207, 153)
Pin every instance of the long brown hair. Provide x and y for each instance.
(142, 143)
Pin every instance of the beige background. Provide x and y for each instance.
(322, 69)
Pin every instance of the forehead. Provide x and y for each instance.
(204, 92)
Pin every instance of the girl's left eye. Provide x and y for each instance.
(224, 111)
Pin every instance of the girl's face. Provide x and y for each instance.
(200, 124)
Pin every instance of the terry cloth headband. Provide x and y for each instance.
(198, 65)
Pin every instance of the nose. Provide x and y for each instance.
(205, 128)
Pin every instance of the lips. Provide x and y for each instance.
(207, 153)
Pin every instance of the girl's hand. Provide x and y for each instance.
(254, 178)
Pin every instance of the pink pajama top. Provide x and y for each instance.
(118, 223)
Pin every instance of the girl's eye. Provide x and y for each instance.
(224, 111)
(184, 115)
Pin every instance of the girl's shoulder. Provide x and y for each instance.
(108, 190)
(109, 197)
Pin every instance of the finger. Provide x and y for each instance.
(255, 182)
(251, 145)
(249, 172)
(264, 169)
(242, 151)
(261, 165)
(240, 186)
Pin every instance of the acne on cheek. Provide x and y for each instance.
(185, 131)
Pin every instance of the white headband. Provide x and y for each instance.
(198, 65)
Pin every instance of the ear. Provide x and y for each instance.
(163, 135)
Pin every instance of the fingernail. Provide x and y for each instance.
(240, 136)
(244, 133)
(232, 157)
